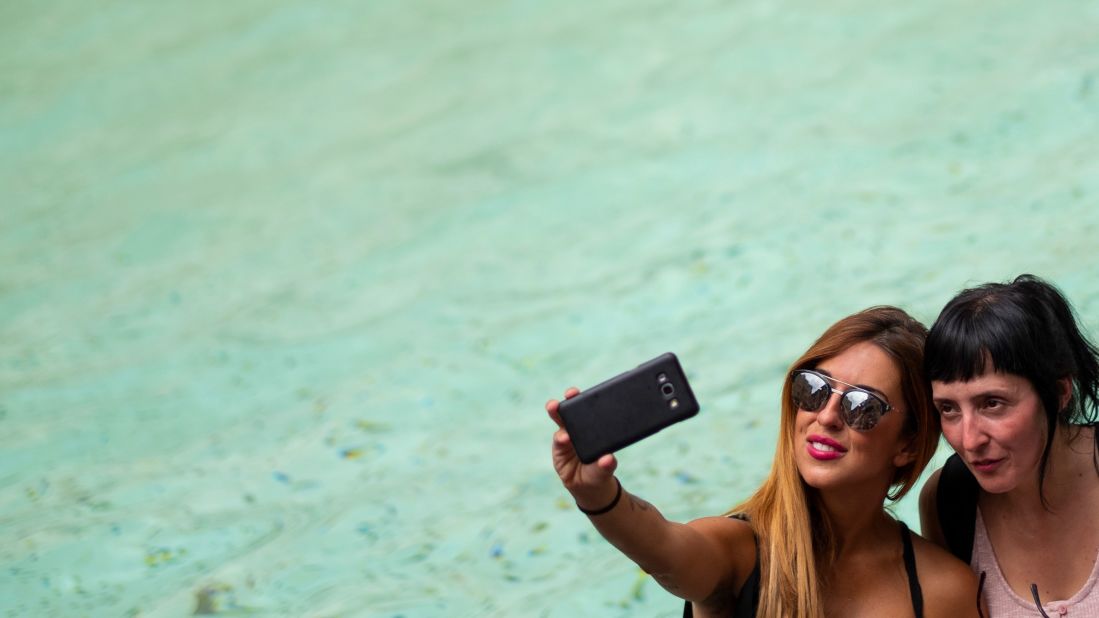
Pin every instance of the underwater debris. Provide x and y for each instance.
(213, 598)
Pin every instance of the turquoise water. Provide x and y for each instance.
(284, 287)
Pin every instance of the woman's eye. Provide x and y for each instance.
(993, 403)
(946, 409)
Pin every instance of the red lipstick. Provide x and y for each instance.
(824, 449)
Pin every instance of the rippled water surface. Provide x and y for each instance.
(284, 286)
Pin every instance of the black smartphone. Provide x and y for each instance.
(628, 407)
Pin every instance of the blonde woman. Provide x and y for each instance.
(857, 427)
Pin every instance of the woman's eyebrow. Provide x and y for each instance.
(864, 387)
(992, 391)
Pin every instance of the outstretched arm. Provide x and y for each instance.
(689, 560)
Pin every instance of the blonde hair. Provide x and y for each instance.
(795, 536)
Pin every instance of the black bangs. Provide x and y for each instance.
(978, 328)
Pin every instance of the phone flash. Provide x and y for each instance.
(674, 403)
(661, 378)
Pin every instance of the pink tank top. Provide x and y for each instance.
(1003, 602)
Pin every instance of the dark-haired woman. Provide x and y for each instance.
(857, 427)
(1016, 384)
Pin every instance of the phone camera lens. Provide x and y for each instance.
(667, 389)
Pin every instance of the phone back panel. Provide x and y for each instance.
(628, 407)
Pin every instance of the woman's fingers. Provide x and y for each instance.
(599, 472)
(565, 460)
(608, 463)
(551, 409)
(563, 444)
(552, 406)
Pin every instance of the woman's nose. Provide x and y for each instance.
(830, 415)
(973, 434)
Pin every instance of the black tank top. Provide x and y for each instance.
(748, 598)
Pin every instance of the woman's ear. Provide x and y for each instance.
(1064, 392)
(907, 453)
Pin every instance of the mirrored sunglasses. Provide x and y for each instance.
(860, 409)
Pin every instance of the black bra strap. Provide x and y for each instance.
(910, 568)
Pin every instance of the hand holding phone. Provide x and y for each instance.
(589, 484)
(627, 408)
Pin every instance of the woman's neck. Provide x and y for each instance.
(856, 520)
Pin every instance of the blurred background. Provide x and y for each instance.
(284, 286)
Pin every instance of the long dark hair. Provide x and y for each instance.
(1026, 328)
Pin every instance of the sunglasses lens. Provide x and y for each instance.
(809, 391)
(861, 410)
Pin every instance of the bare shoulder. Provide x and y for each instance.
(949, 585)
(939, 563)
(734, 542)
(929, 510)
(930, 489)
(735, 534)
(736, 538)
